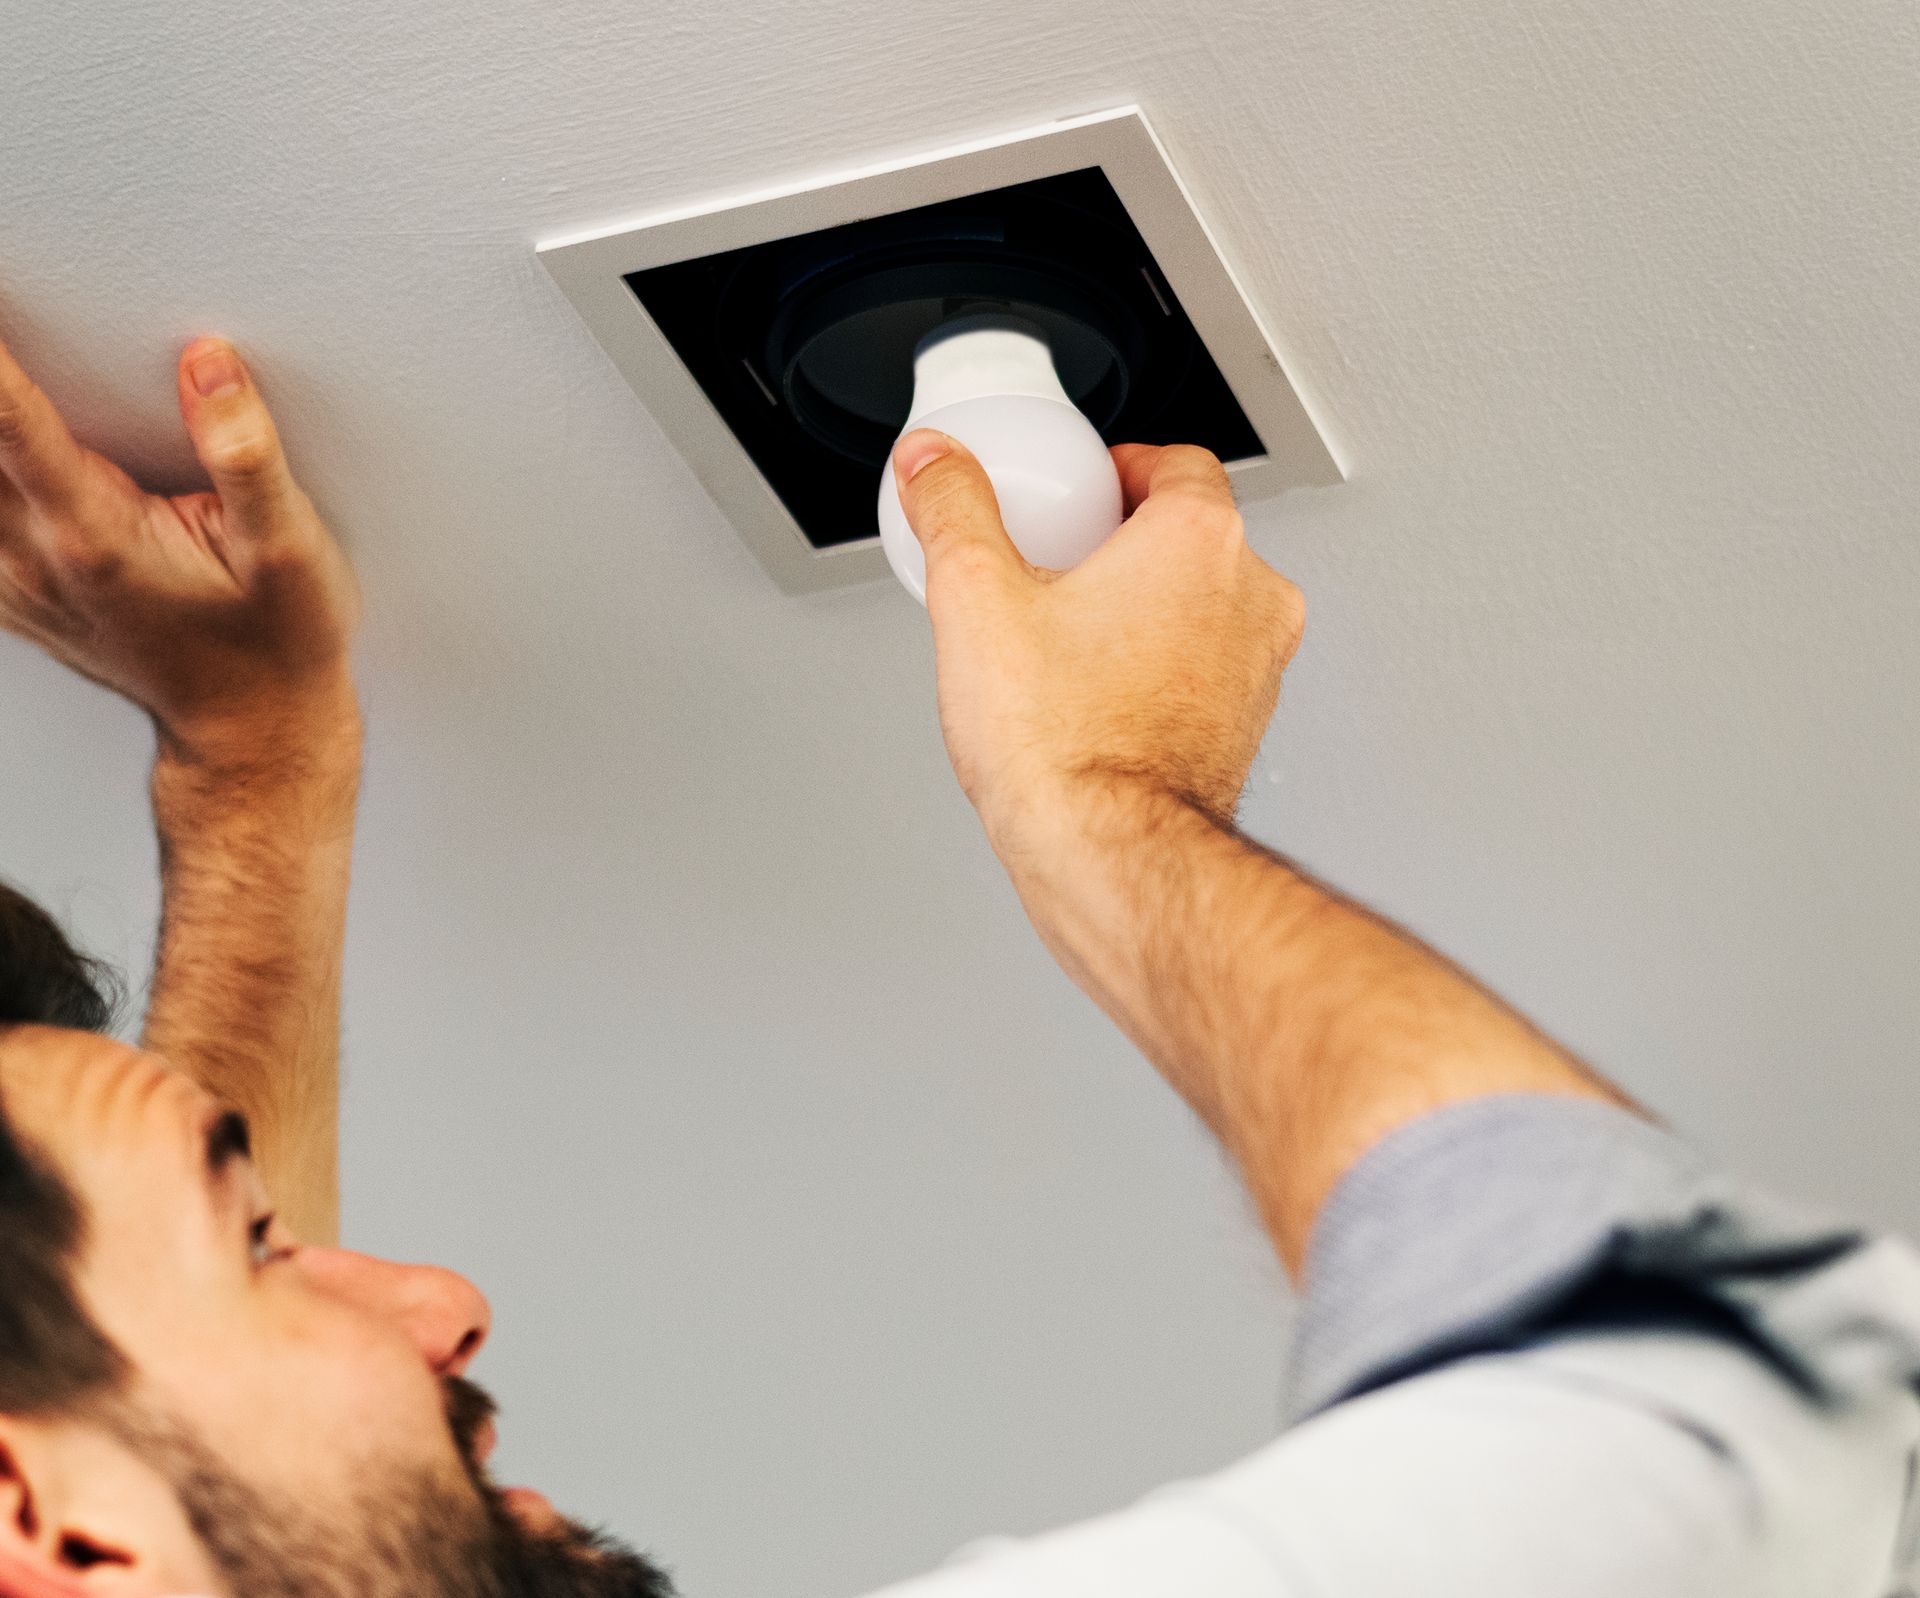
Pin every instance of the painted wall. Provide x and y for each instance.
(827, 1226)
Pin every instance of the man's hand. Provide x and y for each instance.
(219, 613)
(1158, 659)
(1103, 720)
(227, 616)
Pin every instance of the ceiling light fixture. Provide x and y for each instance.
(782, 339)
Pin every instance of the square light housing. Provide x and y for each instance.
(771, 336)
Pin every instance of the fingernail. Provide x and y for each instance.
(918, 449)
(215, 372)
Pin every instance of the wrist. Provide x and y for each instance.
(313, 731)
(1047, 827)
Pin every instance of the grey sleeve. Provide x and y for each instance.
(1491, 1224)
(1545, 1349)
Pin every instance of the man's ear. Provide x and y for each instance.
(83, 1517)
(30, 1564)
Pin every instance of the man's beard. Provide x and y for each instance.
(405, 1534)
(568, 1561)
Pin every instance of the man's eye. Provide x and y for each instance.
(259, 1235)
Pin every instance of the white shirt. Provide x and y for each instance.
(1547, 1355)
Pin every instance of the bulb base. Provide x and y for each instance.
(986, 352)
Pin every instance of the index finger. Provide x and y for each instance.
(1147, 469)
(37, 453)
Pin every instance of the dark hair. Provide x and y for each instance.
(52, 1356)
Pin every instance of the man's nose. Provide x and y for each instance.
(446, 1315)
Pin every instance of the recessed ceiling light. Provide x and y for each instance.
(772, 336)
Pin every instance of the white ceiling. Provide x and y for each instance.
(827, 1226)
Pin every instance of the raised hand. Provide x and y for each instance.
(1157, 659)
(226, 614)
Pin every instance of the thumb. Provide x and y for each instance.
(232, 433)
(950, 503)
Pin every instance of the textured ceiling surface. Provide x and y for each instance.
(827, 1227)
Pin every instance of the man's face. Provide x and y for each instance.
(321, 1380)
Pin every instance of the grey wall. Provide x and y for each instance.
(826, 1225)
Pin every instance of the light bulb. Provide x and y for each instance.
(988, 380)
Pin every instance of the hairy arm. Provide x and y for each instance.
(254, 856)
(227, 616)
(1300, 1026)
(1103, 721)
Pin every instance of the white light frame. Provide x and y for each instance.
(590, 269)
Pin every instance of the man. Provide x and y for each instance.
(1543, 1350)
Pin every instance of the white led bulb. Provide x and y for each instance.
(988, 380)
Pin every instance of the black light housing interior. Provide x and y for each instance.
(804, 345)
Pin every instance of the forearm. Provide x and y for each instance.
(256, 836)
(1300, 1026)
